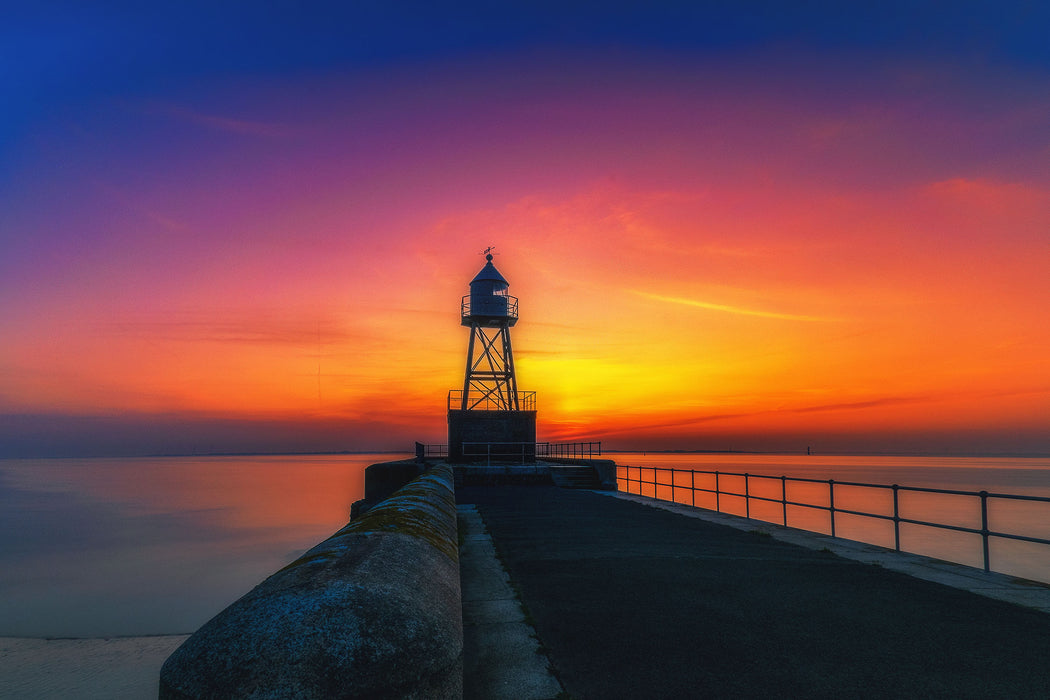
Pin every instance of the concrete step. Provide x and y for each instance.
(570, 477)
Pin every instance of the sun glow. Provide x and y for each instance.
(789, 269)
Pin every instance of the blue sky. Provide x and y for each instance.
(204, 208)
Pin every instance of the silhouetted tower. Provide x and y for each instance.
(489, 312)
(490, 417)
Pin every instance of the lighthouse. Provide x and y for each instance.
(489, 418)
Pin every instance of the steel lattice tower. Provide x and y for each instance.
(490, 413)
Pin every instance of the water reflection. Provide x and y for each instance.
(150, 546)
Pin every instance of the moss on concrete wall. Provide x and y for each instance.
(372, 612)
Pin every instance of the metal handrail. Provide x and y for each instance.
(526, 401)
(496, 307)
(435, 450)
(569, 450)
(524, 450)
(896, 518)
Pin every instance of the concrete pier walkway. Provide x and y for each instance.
(630, 601)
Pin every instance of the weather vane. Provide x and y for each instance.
(488, 251)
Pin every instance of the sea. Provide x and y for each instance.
(107, 564)
(148, 549)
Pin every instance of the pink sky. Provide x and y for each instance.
(751, 255)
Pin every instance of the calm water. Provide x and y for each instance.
(1021, 476)
(107, 547)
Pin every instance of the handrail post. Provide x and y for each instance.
(747, 499)
(896, 519)
(784, 497)
(984, 528)
(831, 504)
(851, 510)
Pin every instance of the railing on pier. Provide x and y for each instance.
(569, 450)
(680, 486)
(503, 450)
(424, 451)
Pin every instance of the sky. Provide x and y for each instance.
(730, 226)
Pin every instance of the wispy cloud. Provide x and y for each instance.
(133, 204)
(251, 331)
(245, 127)
(726, 308)
(880, 402)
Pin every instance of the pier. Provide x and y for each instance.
(632, 600)
(553, 588)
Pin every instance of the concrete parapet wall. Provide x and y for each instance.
(382, 480)
(605, 468)
(372, 612)
(472, 475)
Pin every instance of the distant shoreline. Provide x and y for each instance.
(186, 455)
(863, 453)
(960, 455)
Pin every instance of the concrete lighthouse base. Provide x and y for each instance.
(491, 436)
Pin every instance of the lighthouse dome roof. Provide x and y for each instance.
(489, 273)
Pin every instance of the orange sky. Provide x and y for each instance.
(704, 259)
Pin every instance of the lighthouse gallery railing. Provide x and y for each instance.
(495, 305)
